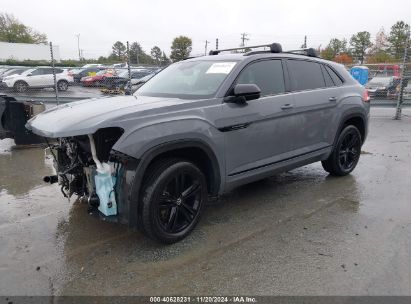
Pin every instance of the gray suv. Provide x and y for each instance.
(201, 127)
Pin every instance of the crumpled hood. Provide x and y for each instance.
(89, 115)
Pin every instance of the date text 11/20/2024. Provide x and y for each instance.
(203, 299)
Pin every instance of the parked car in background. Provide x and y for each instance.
(92, 65)
(388, 70)
(120, 80)
(41, 77)
(78, 74)
(97, 79)
(131, 87)
(407, 90)
(16, 71)
(382, 87)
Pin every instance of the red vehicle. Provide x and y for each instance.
(388, 70)
(98, 79)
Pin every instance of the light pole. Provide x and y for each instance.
(78, 46)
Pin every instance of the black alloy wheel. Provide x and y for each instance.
(179, 202)
(346, 152)
(173, 195)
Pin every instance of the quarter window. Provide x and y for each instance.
(305, 75)
(266, 74)
(328, 81)
(337, 80)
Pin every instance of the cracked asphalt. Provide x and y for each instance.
(298, 233)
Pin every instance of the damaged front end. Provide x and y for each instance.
(87, 167)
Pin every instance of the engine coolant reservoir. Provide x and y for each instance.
(105, 183)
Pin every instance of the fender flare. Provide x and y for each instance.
(149, 155)
(346, 117)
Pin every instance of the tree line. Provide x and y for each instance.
(360, 47)
(385, 47)
(180, 49)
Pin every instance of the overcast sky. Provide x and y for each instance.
(156, 22)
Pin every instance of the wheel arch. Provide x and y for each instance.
(197, 151)
(356, 119)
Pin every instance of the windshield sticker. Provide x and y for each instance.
(221, 68)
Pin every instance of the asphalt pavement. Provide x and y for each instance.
(297, 233)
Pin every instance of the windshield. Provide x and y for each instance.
(188, 79)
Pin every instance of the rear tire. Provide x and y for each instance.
(346, 153)
(173, 198)
(21, 86)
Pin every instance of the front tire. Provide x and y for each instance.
(173, 198)
(346, 153)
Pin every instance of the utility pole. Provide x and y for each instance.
(216, 44)
(305, 42)
(205, 48)
(403, 80)
(244, 39)
(78, 46)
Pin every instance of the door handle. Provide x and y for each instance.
(287, 106)
(332, 99)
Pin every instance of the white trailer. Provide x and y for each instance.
(27, 51)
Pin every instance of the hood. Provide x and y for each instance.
(89, 115)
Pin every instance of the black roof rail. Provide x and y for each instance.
(310, 52)
(274, 48)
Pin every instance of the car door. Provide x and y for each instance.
(34, 78)
(259, 133)
(48, 78)
(316, 98)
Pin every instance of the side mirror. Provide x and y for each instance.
(243, 93)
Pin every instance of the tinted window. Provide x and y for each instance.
(48, 71)
(328, 81)
(337, 80)
(305, 75)
(267, 75)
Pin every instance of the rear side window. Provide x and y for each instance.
(305, 75)
(336, 79)
(266, 74)
(328, 81)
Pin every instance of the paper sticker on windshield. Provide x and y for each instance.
(221, 68)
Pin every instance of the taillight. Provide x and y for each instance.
(365, 96)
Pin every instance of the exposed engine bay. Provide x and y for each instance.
(86, 168)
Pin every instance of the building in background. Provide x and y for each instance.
(26, 51)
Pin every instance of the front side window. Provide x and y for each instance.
(305, 75)
(266, 74)
(188, 79)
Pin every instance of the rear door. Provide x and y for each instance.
(260, 133)
(316, 96)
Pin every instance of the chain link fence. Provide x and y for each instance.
(53, 82)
